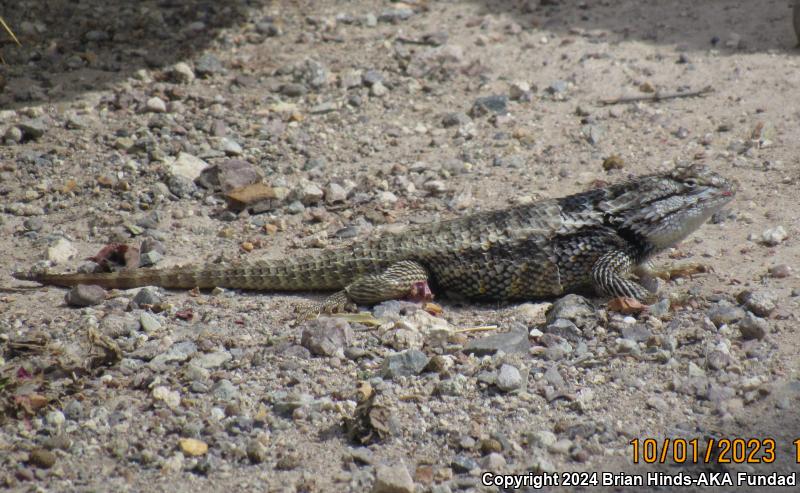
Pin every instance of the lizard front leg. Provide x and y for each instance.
(403, 279)
(608, 277)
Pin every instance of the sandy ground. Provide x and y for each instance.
(88, 159)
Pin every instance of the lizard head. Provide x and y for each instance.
(665, 208)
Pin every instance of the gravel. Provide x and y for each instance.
(342, 122)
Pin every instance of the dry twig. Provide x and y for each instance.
(656, 97)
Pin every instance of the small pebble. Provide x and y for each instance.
(156, 105)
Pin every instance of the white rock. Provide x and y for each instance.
(187, 165)
(386, 198)
(773, 236)
(183, 72)
(61, 251)
(172, 398)
(230, 147)
(378, 90)
(156, 105)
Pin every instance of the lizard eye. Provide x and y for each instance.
(691, 183)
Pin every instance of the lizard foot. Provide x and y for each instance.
(420, 291)
(338, 302)
(673, 271)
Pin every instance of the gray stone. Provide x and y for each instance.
(74, 410)
(404, 364)
(508, 378)
(657, 403)
(372, 77)
(719, 360)
(285, 402)
(85, 295)
(181, 186)
(724, 312)
(395, 15)
(554, 378)
(314, 73)
(33, 129)
(225, 391)
(147, 297)
(455, 119)
(557, 87)
(311, 194)
(335, 193)
(149, 259)
(212, 360)
(327, 336)
(636, 332)
(564, 328)
(515, 341)
(293, 89)
(268, 28)
(574, 308)
(462, 464)
(753, 327)
(208, 65)
(149, 323)
(229, 175)
(496, 104)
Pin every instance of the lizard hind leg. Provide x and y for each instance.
(400, 280)
(608, 277)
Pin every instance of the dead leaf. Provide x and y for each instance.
(31, 403)
(370, 422)
(69, 186)
(688, 270)
(115, 256)
(626, 305)
(110, 350)
(250, 194)
(433, 308)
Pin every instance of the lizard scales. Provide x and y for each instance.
(543, 249)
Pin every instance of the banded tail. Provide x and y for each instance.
(329, 271)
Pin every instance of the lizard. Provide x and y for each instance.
(593, 239)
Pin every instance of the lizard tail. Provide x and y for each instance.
(323, 272)
(174, 277)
